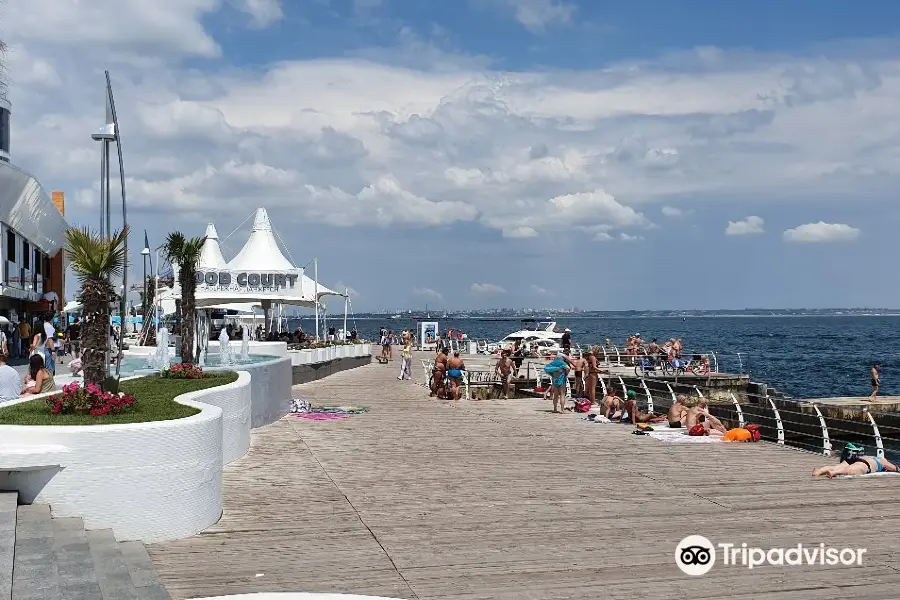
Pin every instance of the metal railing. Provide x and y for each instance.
(819, 427)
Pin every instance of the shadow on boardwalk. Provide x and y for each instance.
(421, 498)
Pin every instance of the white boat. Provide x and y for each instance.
(533, 331)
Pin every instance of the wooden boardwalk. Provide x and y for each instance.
(420, 498)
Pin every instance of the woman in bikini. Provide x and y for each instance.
(854, 463)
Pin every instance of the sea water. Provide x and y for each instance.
(805, 357)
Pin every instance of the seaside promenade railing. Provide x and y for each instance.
(818, 426)
(822, 427)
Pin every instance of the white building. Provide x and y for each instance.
(33, 234)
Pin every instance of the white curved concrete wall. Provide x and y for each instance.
(265, 348)
(153, 482)
(270, 389)
(317, 355)
(234, 399)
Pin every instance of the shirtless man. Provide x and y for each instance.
(677, 413)
(592, 375)
(694, 414)
(437, 373)
(504, 369)
(580, 367)
(455, 367)
(640, 417)
(876, 382)
(678, 346)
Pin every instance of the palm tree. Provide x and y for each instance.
(186, 253)
(96, 259)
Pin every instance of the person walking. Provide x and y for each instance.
(876, 383)
(406, 358)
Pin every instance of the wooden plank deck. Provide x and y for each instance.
(420, 498)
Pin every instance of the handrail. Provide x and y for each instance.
(826, 442)
(795, 423)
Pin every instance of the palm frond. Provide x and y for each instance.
(93, 256)
(182, 250)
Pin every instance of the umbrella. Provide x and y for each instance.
(4, 320)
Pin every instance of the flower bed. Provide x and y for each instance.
(153, 401)
(90, 399)
(183, 371)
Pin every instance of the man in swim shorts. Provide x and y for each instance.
(580, 367)
(455, 367)
(504, 370)
(853, 462)
(677, 413)
(695, 413)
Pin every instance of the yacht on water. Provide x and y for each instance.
(541, 333)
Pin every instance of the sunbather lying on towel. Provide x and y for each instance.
(853, 462)
(702, 410)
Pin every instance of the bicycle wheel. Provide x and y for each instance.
(667, 368)
(639, 371)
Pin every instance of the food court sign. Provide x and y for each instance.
(246, 281)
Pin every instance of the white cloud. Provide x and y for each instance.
(821, 233)
(487, 288)
(670, 211)
(536, 15)
(262, 12)
(602, 236)
(428, 293)
(539, 291)
(748, 226)
(365, 142)
(520, 232)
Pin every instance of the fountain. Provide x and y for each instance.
(245, 344)
(226, 352)
(161, 358)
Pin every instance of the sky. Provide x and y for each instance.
(490, 153)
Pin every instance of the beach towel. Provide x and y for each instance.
(881, 474)
(665, 434)
(321, 416)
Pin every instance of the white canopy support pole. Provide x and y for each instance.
(156, 301)
(316, 293)
(346, 302)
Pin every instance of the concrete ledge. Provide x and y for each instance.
(152, 482)
(311, 372)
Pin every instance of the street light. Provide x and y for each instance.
(145, 255)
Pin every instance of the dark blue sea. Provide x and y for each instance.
(805, 357)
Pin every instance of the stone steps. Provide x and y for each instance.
(45, 558)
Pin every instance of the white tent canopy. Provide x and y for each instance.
(259, 273)
(211, 255)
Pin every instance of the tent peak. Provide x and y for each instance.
(261, 221)
(211, 233)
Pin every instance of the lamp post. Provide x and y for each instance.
(145, 255)
(108, 134)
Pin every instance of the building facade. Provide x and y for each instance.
(32, 235)
(4, 127)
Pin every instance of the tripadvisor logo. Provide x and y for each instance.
(696, 555)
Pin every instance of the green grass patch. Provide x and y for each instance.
(154, 401)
